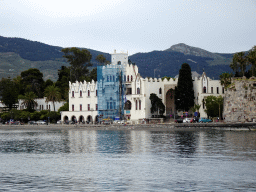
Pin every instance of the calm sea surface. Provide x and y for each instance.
(132, 160)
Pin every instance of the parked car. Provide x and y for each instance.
(194, 120)
(187, 120)
(32, 123)
(179, 120)
(204, 120)
(41, 122)
(59, 122)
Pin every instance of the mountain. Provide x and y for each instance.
(169, 61)
(17, 55)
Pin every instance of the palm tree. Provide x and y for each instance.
(251, 57)
(52, 94)
(29, 100)
(225, 79)
(239, 61)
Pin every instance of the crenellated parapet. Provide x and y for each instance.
(82, 86)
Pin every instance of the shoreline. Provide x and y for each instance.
(149, 127)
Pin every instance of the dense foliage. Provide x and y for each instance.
(244, 64)
(8, 92)
(79, 61)
(184, 92)
(157, 105)
(214, 106)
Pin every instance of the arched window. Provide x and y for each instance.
(113, 78)
(96, 92)
(128, 78)
(136, 105)
(124, 78)
(81, 94)
(139, 104)
(160, 90)
(119, 62)
(131, 77)
(88, 93)
(110, 78)
(203, 103)
(138, 90)
(73, 94)
(128, 105)
(204, 89)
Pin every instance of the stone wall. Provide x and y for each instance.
(239, 101)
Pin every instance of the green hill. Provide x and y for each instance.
(17, 55)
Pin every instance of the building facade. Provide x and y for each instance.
(121, 92)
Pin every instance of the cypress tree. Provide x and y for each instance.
(184, 92)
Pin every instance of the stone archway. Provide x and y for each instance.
(96, 121)
(170, 103)
(89, 119)
(65, 119)
(74, 119)
(81, 119)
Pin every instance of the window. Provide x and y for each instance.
(128, 105)
(128, 78)
(107, 105)
(114, 105)
(160, 91)
(217, 90)
(96, 107)
(111, 106)
(203, 103)
(204, 89)
(96, 92)
(88, 107)
(88, 93)
(81, 94)
(49, 107)
(131, 77)
(136, 105)
(107, 78)
(222, 90)
(128, 91)
(81, 108)
(211, 89)
(110, 78)
(113, 78)
(138, 90)
(73, 94)
(124, 78)
(139, 104)
(46, 107)
(119, 62)
(73, 107)
(42, 107)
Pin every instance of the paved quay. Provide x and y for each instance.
(151, 127)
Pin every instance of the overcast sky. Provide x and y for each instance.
(224, 26)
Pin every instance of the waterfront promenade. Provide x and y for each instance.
(155, 127)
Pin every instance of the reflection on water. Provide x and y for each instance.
(132, 160)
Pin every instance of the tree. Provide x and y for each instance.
(101, 59)
(63, 81)
(251, 58)
(156, 104)
(184, 92)
(79, 61)
(214, 106)
(65, 107)
(8, 92)
(29, 100)
(225, 79)
(239, 61)
(52, 94)
(32, 81)
(196, 108)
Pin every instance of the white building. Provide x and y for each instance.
(41, 105)
(84, 98)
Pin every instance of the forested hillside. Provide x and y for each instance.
(17, 55)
